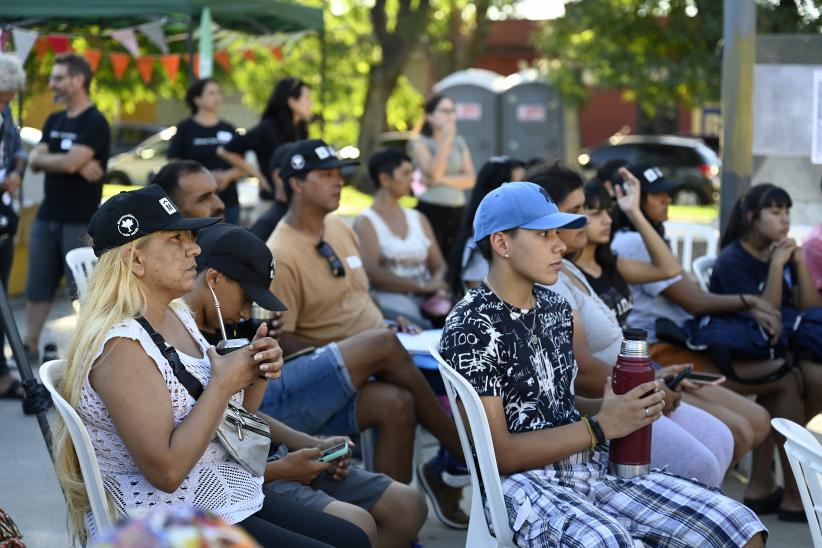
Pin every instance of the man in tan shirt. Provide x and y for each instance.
(361, 377)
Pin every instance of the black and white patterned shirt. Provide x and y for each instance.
(490, 343)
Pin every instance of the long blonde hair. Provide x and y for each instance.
(114, 294)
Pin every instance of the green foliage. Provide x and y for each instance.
(661, 52)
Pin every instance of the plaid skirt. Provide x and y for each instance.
(575, 503)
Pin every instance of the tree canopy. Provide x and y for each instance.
(662, 53)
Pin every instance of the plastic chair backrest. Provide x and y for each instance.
(81, 262)
(805, 455)
(686, 233)
(702, 268)
(51, 373)
(478, 436)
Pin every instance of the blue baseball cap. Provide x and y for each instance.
(520, 205)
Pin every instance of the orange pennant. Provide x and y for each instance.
(41, 47)
(278, 53)
(93, 57)
(119, 62)
(146, 67)
(171, 63)
(248, 55)
(222, 58)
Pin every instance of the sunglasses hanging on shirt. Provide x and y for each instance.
(337, 268)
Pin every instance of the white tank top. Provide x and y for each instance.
(404, 257)
(216, 483)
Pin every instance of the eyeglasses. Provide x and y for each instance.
(337, 268)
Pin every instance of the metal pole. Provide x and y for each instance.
(323, 76)
(738, 57)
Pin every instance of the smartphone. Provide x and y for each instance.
(334, 452)
(672, 383)
(706, 378)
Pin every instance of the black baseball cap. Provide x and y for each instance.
(239, 254)
(308, 155)
(651, 179)
(137, 213)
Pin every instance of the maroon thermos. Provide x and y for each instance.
(631, 456)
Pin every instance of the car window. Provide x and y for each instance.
(616, 152)
(669, 155)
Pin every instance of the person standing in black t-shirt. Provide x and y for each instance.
(73, 153)
(199, 137)
(284, 120)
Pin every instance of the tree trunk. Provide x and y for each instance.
(373, 122)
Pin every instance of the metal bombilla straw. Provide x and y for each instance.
(219, 314)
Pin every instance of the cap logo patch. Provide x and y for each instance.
(321, 152)
(546, 195)
(273, 267)
(652, 174)
(127, 225)
(297, 161)
(168, 206)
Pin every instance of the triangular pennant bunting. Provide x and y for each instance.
(222, 58)
(4, 39)
(119, 62)
(59, 43)
(93, 57)
(146, 67)
(248, 55)
(171, 63)
(128, 39)
(278, 53)
(23, 42)
(41, 48)
(154, 32)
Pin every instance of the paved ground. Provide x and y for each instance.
(30, 493)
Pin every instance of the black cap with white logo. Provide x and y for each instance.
(651, 179)
(137, 213)
(308, 155)
(237, 253)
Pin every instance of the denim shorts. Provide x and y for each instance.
(314, 394)
(48, 244)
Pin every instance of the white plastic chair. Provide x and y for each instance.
(51, 373)
(686, 233)
(702, 269)
(805, 455)
(479, 437)
(81, 262)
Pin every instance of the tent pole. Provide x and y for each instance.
(190, 47)
(323, 74)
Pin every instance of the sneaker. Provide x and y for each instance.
(50, 352)
(444, 499)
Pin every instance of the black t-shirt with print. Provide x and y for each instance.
(199, 143)
(612, 289)
(68, 197)
(263, 139)
(490, 344)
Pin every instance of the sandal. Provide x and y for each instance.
(12, 393)
(766, 505)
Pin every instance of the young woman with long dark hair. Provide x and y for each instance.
(284, 120)
(447, 169)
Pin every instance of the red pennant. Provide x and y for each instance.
(4, 39)
(278, 53)
(41, 48)
(146, 67)
(222, 58)
(248, 55)
(93, 57)
(119, 62)
(195, 64)
(58, 42)
(171, 63)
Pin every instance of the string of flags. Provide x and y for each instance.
(26, 40)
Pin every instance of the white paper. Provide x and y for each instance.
(421, 343)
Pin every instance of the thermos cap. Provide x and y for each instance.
(634, 343)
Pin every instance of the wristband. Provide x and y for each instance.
(590, 432)
(597, 429)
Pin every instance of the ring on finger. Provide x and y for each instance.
(646, 412)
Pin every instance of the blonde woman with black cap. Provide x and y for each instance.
(154, 442)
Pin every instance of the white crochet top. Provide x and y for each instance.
(216, 483)
(404, 257)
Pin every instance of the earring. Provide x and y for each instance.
(506, 255)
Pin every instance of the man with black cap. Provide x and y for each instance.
(361, 377)
(191, 187)
(238, 268)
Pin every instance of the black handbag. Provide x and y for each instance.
(244, 435)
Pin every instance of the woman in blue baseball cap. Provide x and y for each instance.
(512, 340)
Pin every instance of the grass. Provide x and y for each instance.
(693, 214)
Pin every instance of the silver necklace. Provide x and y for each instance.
(515, 315)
